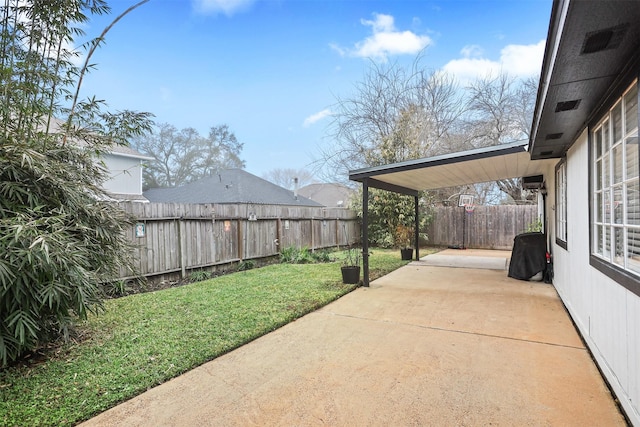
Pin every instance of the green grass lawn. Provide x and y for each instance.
(143, 340)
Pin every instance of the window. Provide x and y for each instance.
(561, 204)
(616, 191)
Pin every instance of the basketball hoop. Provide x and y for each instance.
(469, 208)
(465, 199)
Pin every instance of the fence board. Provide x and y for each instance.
(181, 237)
(211, 231)
(487, 227)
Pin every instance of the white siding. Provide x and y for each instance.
(125, 174)
(607, 314)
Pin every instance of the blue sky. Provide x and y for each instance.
(271, 69)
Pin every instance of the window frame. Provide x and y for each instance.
(605, 262)
(561, 218)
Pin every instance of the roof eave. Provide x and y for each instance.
(479, 153)
(591, 54)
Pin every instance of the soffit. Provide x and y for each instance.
(589, 46)
(464, 168)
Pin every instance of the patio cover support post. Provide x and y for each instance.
(417, 226)
(365, 232)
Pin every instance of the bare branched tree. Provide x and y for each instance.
(397, 113)
(500, 111)
(394, 114)
(285, 178)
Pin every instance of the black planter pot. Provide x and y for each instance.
(350, 274)
(406, 254)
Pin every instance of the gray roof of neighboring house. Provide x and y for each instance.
(123, 150)
(331, 195)
(121, 197)
(229, 186)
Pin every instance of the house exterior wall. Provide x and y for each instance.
(607, 314)
(125, 174)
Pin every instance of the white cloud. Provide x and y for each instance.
(385, 40)
(227, 7)
(523, 60)
(468, 69)
(472, 50)
(316, 117)
(517, 60)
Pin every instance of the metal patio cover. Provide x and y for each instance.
(463, 168)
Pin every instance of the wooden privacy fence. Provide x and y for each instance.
(174, 238)
(487, 227)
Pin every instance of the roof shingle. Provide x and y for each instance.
(229, 186)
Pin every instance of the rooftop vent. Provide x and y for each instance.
(546, 153)
(551, 136)
(610, 38)
(567, 105)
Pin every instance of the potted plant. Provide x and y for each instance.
(351, 266)
(403, 241)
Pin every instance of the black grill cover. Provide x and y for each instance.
(528, 256)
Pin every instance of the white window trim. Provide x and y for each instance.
(605, 220)
(561, 204)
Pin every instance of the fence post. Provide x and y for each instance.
(313, 246)
(279, 233)
(240, 243)
(178, 237)
(181, 238)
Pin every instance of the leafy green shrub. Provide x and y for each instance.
(246, 265)
(322, 256)
(534, 226)
(199, 276)
(391, 214)
(293, 255)
(58, 238)
(58, 243)
(287, 255)
(116, 289)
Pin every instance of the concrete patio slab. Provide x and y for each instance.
(468, 258)
(422, 346)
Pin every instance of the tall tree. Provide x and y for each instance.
(183, 156)
(501, 110)
(397, 113)
(58, 240)
(394, 114)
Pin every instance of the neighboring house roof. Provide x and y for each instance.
(330, 195)
(229, 186)
(120, 197)
(125, 151)
(115, 149)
